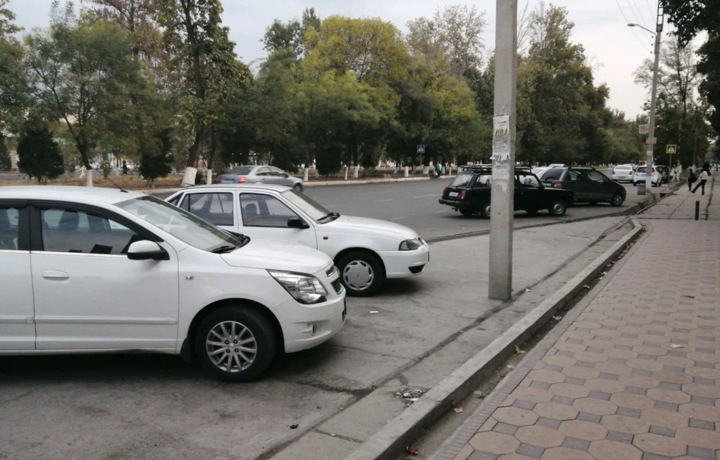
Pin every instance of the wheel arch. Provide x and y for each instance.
(187, 350)
(347, 251)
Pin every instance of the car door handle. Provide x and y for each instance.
(55, 275)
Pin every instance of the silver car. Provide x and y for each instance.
(261, 175)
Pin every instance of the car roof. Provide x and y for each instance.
(272, 187)
(73, 194)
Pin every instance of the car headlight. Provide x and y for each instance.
(305, 289)
(411, 245)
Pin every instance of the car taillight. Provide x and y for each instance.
(462, 194)
(216, 180)
(242, 180)
(558, 183)
(446, 191)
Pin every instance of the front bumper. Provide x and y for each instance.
(307, 326)
(399, 264)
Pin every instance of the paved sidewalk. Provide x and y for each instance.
(633, 376)
(681, 204)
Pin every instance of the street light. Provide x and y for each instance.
(653, 97)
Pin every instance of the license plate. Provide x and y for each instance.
(453, 194)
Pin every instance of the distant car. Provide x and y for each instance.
(623, 172)
(664, 171)
(261, 175)
(640, 175)
(469, 193)
(587, 184)
(540, 171)
(556, 165)
(365, 251)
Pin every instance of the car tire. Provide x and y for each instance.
(249, 325)
(467, 212)
(617, 200)
(593, 203)
(362, 273)
(531, 211)
(485, 210)
(298, 188)
(558, 208)
(634, 184)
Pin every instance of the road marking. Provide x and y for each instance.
(438, 212)
(400, 218)
(425, 196)
(383, 201)
(331, 206)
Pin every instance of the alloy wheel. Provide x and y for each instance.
(358, 274)
(231, 346)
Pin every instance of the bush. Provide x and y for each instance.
(5, 163)
(157, 163)
(106, 168)
(39, 155)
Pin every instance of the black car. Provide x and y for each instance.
(469, 193)
(587, 184)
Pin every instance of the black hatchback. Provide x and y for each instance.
(587, 184)
(469, 193)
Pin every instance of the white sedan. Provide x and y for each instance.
(640, 175)
(623, 173)
(366, 251)
(90, 270)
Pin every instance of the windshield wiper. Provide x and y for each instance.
(330, 217)
(223, 249)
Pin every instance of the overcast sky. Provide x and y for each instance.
(599, 26)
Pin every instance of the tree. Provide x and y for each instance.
(80, 71)
(138, 18)
(39, 154)
(454, 31)
(290, 35)
(5, 162)
(204, 57)
(155, 164)
(12, 77)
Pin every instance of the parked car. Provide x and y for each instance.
(261, 175)
(587, 184)
(540, 171)
(366, 251)
(469, 193)
(640, 175)
(623, 172)
(100, 270)
(663, 170)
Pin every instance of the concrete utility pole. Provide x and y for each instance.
(651, 140)
(503, 158)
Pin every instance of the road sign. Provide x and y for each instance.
(644, 129)
(651, 140)
(671, 149)
(420, 148)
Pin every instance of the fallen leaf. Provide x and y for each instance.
(293, 427)
(586, 286)
(557, 318)
(676, 346)
(373, 312)
(458, 410)
(333, 435)
(510, 366)
(502, 376)
(528, 290)
(518, 351)
(478, 393)
(411, 451)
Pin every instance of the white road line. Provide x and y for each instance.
(399, 218)
(383, 201)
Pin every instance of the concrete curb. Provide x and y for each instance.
(389, 442)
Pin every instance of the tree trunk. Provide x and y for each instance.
(195, 148)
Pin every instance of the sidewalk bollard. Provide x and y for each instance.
(697, 210)
(406, 171)
(346, 171)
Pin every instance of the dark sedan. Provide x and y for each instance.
(587, 184)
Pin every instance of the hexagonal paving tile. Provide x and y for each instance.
(664, 418)
(705, 391)
(494, 443)
(514, 457)
(563, 453)
(645, 364)
(569, 390)
(590, 357)
(660, 445)
(594, 406)
(614, 368)
(700, 411)
(561, 361)
(546, 376)
(607, 386)
(613, 450)
(671, 396)
(625, 424)
(701, 438)
(632, 400)
(531, 394)
(639, 381)
(580, 372)
(672, 377)
(540, 436)
(583, 430)
(515, 416)
(555, 411)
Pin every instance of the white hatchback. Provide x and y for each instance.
(100, 270)
(623, 172)
(366, 251)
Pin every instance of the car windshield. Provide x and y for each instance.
(241, 171)
(314, 210)
(182, 225)
(641, 169)
(462, 180)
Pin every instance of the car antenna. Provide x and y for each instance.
(116, 185)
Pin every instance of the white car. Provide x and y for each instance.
(366, 251)
(623, 173)
(639, 176)
(100, 270)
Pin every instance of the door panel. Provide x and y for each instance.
(17, 330)
(579, 185)
(599, 188)
(216, 208)
(265, 216)
(89, 295)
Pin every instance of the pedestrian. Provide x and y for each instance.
(691, 179)
(438, 169)
(703, 181)
(124, 168)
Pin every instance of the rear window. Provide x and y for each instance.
(641, 169)
(242, 170)
(625, 168)
(462, 180)
(552, 175)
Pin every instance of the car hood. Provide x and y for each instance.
(364, 226)
(277, 255)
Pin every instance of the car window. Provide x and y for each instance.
(462, 180)
(482, 181)
(175, 200)
(9, 228)
(260, 210)
(70, 230)
(596, 176)
(641, 169)
(575, 175)
(278, 172)
(528, 180)
(216, 208)
(306, 204)
(263, 172)
(552, 175)
(241, 171)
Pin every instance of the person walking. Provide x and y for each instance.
(438, 169)
(703, 181)
(691, 179)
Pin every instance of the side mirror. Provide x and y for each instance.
(296, 222)
(146, 250)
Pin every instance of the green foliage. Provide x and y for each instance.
(39, 155)
(290, 35)
(5, 162)
(12, 79)
(106, 168)
(155, 164)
